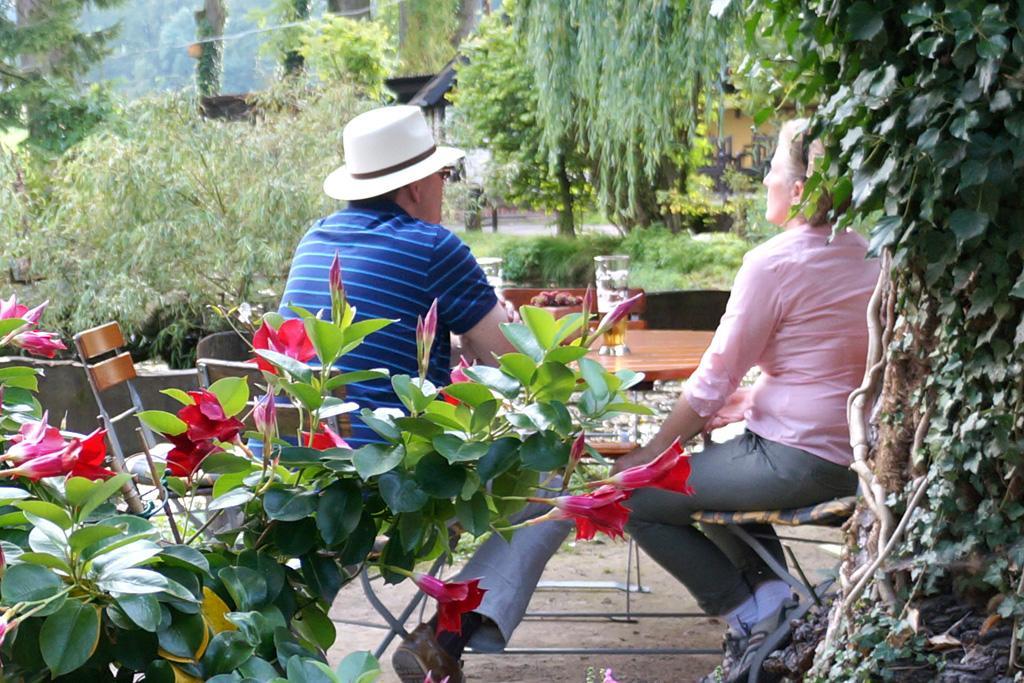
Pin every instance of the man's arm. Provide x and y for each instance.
(484, 340)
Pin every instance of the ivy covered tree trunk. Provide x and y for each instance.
(293, 61)
(566, 221)
(353, 9)
(921, 112)
(210, 23)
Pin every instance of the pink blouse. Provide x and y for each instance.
(798, 311)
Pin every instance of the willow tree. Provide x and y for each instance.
(920, 107)
(631, 76)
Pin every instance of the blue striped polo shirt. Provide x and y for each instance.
(393, 266)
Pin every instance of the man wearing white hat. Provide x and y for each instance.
(396, 260)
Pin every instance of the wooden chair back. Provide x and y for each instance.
(107, 365)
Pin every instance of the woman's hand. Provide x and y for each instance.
(734, 410)
(638, 456)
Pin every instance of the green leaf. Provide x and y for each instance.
(162, 422)
(401, 493)
(186, 557)
(247, 587)
(469, 393)
(544, 451)
(384, 428)
(179, 396)
(233, 498)
(305, 393)
(593, 372)
(338, 511)
(495, 379)
(185, 636)
(523, 340)
(438, 477)
(356, 332)
(358, 667)
(289, 505)
(9, 493)
(322, 576)
(227, 651)
(456, 450)
(45, 560)
(553, 382)
(304, 670)
(49, 511)
(144, 610)
(375, 459)
(501, 455)
(448, 416)
(315, 626)
(296, 369)
(8, 325)
(101, 492)
(327, 339)
(566, 354)
(355, 376)
(87, 535)
(519, 365)
(142, 581)
(232, 393)
(225, 463)
(474, 515)
(70, 636)
(483, 416)
(541, 323)
(865, 21)
(967, 224)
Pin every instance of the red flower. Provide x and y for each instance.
(454, 599)
(186, 456)
(206, 419)
(49, 465)
(290, 339)
(458, 376)
(86, 456)
(324, 438)
(579, 449)
(669, 471)
(600, 510)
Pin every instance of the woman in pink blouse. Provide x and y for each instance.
(797, 311)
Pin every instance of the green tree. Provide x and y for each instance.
(210, 23)
(630, 76)
(496, 102)
(43, 56)
(340, 49)
(920, 106)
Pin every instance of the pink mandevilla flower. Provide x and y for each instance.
(290, 339)
(454, 598)
(264, 415)
(458, 376)
(38, 343)
(5, 628)
(426, 329)
(33, 440)
(80, 457)
(334, 276)
(669, 471)
(616, 314)
(579, 448)
(600, 510)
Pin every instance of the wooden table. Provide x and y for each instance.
(659, 354)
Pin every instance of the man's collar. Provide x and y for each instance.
(376, 205)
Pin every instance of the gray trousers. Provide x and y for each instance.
(510, 572)
(744, 473)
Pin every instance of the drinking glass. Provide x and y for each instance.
(611, 275)
(493, 267)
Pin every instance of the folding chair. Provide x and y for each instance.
(107, 365)
(832, 513)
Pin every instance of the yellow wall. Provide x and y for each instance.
(740, 127)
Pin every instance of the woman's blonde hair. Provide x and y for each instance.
(801, 154)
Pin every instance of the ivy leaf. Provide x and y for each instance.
(865, 21)
(967, 224)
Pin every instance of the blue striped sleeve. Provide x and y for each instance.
(464, 297)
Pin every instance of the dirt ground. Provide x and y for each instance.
(596, 560)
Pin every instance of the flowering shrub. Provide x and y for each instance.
(91, 590)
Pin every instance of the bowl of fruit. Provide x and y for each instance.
(560, 303)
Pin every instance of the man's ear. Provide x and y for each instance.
(415, 190)
(798, 191)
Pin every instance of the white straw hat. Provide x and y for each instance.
(385, 149)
